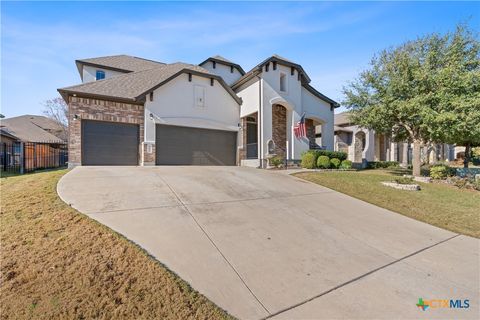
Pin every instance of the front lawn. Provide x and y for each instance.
(57, 263)
(440, 205)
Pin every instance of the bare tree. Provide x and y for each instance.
(57, 110)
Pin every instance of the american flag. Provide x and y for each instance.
(300, 129)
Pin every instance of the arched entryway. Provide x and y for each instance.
(279, 129)
(359, 146)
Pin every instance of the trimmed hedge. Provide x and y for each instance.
(323, 162)
(382, 164)
(330, 154)
(308, 160)
(346, 164)
(335, 163)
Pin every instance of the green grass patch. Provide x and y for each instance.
(438, 204)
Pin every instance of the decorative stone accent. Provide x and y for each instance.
(242, 150)
(279, 129)
(410, 187)
(310, 132)
(148, 154)
(102, 110)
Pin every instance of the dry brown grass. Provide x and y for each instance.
(57, 263)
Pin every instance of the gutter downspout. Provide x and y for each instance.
(260, 124)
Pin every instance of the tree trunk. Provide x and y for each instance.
(416, 157)
(468, 151)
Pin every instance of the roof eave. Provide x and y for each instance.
(66, 93)
(230, 64)
(241, 81)
(96, 65)
(319, 95)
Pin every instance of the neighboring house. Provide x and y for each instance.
(38, 140)
(364, 145)
(31, 128)
(133, 111)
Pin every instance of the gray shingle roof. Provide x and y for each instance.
(342, 119)
(135, 85)
(121, 62)
(31, 128)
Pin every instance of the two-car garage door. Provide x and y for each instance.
(112, 143)
(109, 143)
(177, 145)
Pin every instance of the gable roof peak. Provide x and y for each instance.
(219, 57)
(224, 61)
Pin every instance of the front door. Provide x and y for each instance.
(252, 140)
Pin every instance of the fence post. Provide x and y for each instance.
(4, 154)
(22, 158)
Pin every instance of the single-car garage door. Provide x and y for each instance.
(194, 146)
(109, 143)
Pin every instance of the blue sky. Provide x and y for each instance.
(333, 41)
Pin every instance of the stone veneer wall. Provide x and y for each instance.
(242, 150)
(279, 129)
(103, 110)
(310, 132)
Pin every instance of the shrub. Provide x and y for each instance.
(330, 154)
(335, 163)
(346, 164)
(382, 164)
(438, 172)
(308, 160)
(323, 162)
(403, 180)
(476, 185)
(276, 161)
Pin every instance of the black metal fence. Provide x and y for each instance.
(23, 157)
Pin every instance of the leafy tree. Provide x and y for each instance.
(457, 120)
(56, 109)
(413, 90)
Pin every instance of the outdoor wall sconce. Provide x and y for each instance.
(151, 116)
(75, 117)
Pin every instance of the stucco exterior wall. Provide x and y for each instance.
(250, 95)
(223, 71)
(319, 110)
(295, 99)
(174, 103)
(89, 73)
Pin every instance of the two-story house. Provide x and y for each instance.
(133, 111)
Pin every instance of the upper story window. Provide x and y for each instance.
(283, 82)
(100, 75)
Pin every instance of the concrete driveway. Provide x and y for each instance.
(263, 244)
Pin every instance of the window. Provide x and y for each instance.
(100, 75)
(283, 82)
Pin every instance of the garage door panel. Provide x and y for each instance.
(109, 143)
(194, 146)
